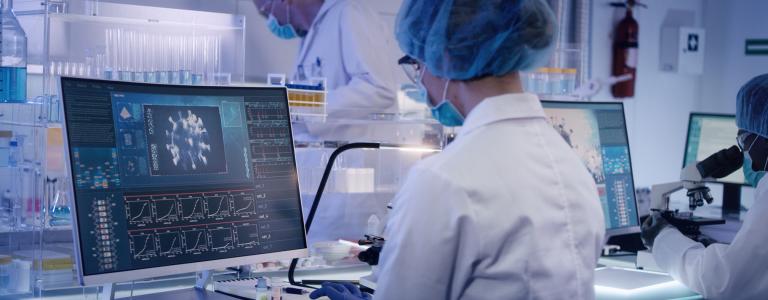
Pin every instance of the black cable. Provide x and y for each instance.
(319, 194)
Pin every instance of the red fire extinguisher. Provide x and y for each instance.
(625, 51)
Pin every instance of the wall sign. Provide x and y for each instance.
(756, 47)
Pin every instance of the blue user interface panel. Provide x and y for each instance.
(597, 132)
(169, 175)
(708, 134)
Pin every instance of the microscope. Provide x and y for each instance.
(693, 178)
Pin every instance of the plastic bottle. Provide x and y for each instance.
(373, 225)
(13, 153)
(13, 63)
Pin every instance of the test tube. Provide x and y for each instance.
(197, 60)
(67, 69)
(89, 64)
(219, 77)
(137, 59)
(124, 53)
(157, 57)
(99, 63)
(554, 81)
(208, 60)
(185, 73)
(173, 74)
(570, 80)
(166, 76)
(149, 64)
(109, 62)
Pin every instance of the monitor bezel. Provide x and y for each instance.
(623, 230)
(131, 275)
(688, 140)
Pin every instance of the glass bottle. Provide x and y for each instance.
(13, 60)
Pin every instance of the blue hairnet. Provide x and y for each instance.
(467, 39)
(752, 106)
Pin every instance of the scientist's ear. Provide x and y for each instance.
(434, 86)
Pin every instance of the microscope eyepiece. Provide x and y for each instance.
(722, 163)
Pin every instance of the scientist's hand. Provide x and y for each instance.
(651, 228)
(338, 291)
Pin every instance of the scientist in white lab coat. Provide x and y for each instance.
(506, 211)
(346, 42)
(738, 270)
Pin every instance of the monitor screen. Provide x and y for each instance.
(708, 134)
(172, 179)
(598, 134)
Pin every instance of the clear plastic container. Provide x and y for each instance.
(528, 82)
(569, 80)
(555, 82)
(541, 81)
(13, 71)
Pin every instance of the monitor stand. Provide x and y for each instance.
(198, 292)
(107, 292)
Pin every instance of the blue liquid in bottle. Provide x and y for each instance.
(13, 85)
(13, 57)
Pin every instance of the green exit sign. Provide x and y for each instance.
(756, 47)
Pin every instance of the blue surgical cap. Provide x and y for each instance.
(468, 39)
(752, 106)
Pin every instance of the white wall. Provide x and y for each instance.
(727, 68)
(657, 116)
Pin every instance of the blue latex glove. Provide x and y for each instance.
(339, 291)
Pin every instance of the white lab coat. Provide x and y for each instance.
(735, 271)
(507, 211)
(358, 57)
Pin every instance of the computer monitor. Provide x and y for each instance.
(598, 134)
(708, 134)
(174, 179)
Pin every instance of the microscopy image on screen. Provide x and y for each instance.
(184, 140)
(580, 130)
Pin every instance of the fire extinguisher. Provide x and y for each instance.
(625, 51)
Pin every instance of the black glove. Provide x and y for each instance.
(340, 291)
(651, 228)
(706, 240)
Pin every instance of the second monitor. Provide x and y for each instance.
(708, 134)
(598, 134)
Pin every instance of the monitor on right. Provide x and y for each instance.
(598, 134)
(707, 134)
